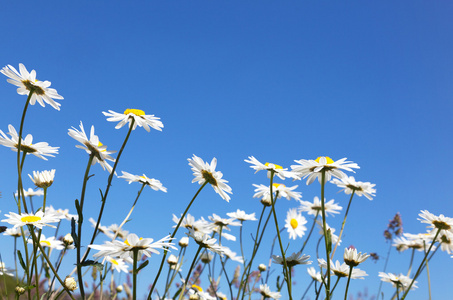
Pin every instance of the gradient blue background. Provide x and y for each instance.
(280, 80)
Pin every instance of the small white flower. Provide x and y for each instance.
(205, 241)
(40, 149)
(278, 190)
(38, 220)
(439, 222)
(197, 291)
(402, 281)
(118, 264)
(315, 208)
(342, 270)
(266, 292)
(50, 242)
(151, 182)
(15, 232)
(242, 216)
(4, 270)
(205, 172)
(293, 259)
(314, 274)
(295, 224)
(270, 167)
(43, 179)
(92, 146)
(141, 119)
(313, 168)
(31, 193)
(27, 82)
(352, 258)
(349, 185)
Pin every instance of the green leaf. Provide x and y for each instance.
(73, 233)
(21, 260)
(142, 265)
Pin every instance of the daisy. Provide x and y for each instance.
(151, 182)
(50, 242)
(293, 259)
(232, 255)
(314, 274)
(342, 270)
(439, 222)
(314, 168)
(61, 213)
(139, 117)
(266, 292)
(189, 222)
(205, 241)
(4, 270)
(38, 220)
(118, 264)
(295, 224)
(197, 292)
(92, 146)
(446, 241)
(43, 179)
(314, 208)
(15, 232)
(223, 222)
(270, 167)
(242, 216)
(27, 82)
(40, 149)
(31, 193)
(205, 172)
(279, 190)
(352, 258)
(400, 281)
(349, 185)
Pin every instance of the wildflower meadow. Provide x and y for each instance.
(96, 203)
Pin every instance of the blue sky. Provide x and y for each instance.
(277, 80)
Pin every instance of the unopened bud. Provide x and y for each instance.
(172, 260)
(20, 290)
(184, 241)
(68, 240)
(266, 201)
(206, 258)
(70, 283)
(262, 267)
(119, 289)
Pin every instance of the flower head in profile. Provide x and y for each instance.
(295, 224)
(314, 274)
(40, 149)
(279, 190)
(140, 118)
(43, 179)
(49, 242)
(205, 172)
(293, 259)
(27, 83)
(400, 281)
(342, 269)
(314, 168)
(271, 168)
(267, 293)
(205, 241)
(151, 182)
(196, 292)
(4, 270)
(31, 193)
(314, 208)
(38, 220)
(349, 185)
(352, 258)
(440, 222)
(242, 216)
(92, 146)
(418, 241)
(118, 264)
(14, 232)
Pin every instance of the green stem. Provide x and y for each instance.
(285, 266)
(342, 225)
(326, 239)
(190, 271)
(172, 236)
(347, 285)
(134, 275)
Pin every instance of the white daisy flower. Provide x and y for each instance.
(413, 241)
(38, 220)
(349, 185)
(293, 259)
(342, 269)
(197, 292)
(43, 179)
(141, 119)
(92, 146)
(118, 264)
(205, 241)
(151, 182)
(295, 224)
(232, 255)
(15, 232)
(352, 258)
(4, 270)
(267, 293)
(439, 222)
(314, 274)
(278, 170)
(314, 208)
(50, 242)
(205, 172)
(27, 82)
(242, 216)
(223, 222)
(280, 190)
(40, 149)
(313, 168)
(402, 281)
(201, 225)
(31, 193)
(61, 213)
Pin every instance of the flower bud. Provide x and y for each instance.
(184, 242)
(262, 267)
(119, 289)
(68, 240)
(70, 283)
(266, 201)
(172, 260)
(20, 290)
(206, 258)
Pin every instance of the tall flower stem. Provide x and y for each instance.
(172, 236)
(134, 275)
(285, 266)
(342, 225)
(190, 271)
(326, 239)
(421, 264)
(79, 227)
(385, 268)
(347, 285)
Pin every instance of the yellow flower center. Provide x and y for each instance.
(276, 185)
(275, 166)
(136, 112)
(144, 178)
(30, 219)
(127, 242)
(293, 223)
(114, 262)
(46, 242)
(329, 160)
(196, 287)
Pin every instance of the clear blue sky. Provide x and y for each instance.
(277, 80)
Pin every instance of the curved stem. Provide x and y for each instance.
(326, 239)
(173, 235)
(342, 225)
(347, 285)
(190, 271)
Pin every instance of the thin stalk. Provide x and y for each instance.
(342, 225)
(172, 236)
(323, 179)
(410, 263)
(285, 266)
(427, 272)
(190, 271)
(134, 275)
(308, 288)
(421, 265)
(385, 268)
(347, 284)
